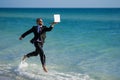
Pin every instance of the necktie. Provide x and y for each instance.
(39, 29)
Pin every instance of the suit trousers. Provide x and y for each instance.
(38, 51)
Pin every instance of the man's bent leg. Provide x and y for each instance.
(34, 53)
(24, 58)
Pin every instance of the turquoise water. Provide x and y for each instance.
(85, 45)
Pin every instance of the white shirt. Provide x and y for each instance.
(38, 30)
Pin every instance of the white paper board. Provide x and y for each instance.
(56, 17)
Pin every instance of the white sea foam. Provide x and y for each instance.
(23, 65)
(34, 72)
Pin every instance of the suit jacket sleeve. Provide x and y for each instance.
(46, 29)
(27, 32)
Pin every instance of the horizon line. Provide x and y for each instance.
(61, 7)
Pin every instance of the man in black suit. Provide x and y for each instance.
(39, 32)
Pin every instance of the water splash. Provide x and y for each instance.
(23, 65)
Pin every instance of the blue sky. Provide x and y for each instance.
(61, 3)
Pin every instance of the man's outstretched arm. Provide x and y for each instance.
(26, 33)
(51, 26)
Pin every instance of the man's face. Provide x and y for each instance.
(40, 22)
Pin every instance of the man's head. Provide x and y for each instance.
(39, 21)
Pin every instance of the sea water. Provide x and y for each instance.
(85, 45)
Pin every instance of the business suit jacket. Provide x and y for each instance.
(41, 35)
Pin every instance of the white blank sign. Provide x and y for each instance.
(56, 17)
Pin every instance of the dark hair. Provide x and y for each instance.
(38, 19)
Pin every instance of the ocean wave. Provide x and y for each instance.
(53, 75)
(34, 72)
